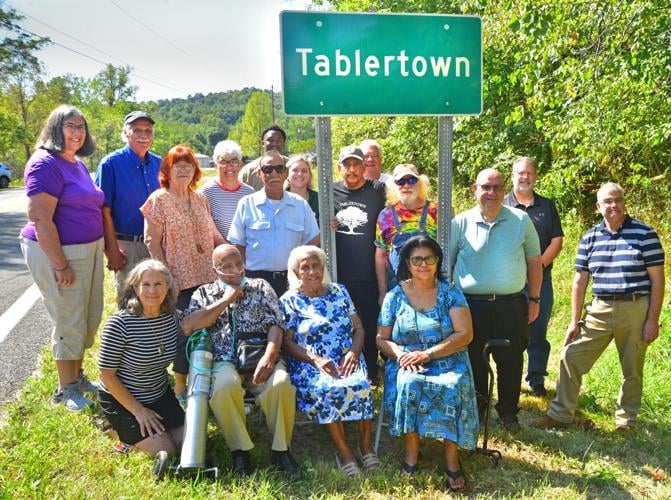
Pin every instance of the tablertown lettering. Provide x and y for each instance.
(345, 65)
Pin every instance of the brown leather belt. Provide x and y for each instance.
(621, 296)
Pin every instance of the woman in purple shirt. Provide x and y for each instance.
(63, 246)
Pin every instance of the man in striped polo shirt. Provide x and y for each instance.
(626, 261)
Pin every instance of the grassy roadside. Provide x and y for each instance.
(46, 451)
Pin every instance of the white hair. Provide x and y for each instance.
(299, 254)
(366, 143)
(227, 148)
(607, 188)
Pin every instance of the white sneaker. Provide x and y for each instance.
(72, 398)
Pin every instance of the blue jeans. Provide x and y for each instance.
(538, 348)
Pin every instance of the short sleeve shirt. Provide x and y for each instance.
(409, 223)
(223, 203)
(270, 231)
(356, 211)
(185, 233)
(544, 215)
(618, 261)
(78, 212)
(492, 258)
(255, 312)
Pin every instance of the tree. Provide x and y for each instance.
(258, 115)
(112, 84)
(352, 217)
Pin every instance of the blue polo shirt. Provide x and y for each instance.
(270, 229)
(127, 181)
(492, 258)
(618, 261)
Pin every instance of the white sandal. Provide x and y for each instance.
(350, 469)
(369, 461)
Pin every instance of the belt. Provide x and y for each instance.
(620, 296)
(491, 297)
(129, 237)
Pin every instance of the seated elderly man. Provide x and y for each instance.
(253, 307)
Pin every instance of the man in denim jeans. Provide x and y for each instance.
(544, 215)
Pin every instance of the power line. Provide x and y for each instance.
(135, 73)
(170, 42)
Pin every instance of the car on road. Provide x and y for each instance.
(5, 176)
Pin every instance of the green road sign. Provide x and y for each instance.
(381, 64)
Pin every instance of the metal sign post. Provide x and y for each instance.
(324, 163)
(445, 131)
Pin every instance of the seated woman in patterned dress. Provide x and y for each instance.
(424, 328)
(324, 339)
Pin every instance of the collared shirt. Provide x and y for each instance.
(543, 214)
(127, 181)
(618, 261)
(270, 229)
(492, 258)
(255, 312)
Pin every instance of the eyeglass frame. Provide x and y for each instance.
(279, 168)
(409, 179)
(418, 260)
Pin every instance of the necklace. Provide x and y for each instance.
(159, 338)
(199, 247)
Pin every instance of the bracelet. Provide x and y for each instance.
(63, 268)
(537, 300)
(429, 352)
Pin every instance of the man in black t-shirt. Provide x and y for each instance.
(357, 204)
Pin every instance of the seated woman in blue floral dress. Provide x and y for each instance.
(324, 339)
(424, 328)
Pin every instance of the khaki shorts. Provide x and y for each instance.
(74, 310)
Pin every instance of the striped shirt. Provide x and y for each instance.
(618, 261)
(223, 203)
(131, 345)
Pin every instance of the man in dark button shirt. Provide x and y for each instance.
(544, 215)
(127, 177)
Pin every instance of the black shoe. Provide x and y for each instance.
(242, 463)
(285, 462)
(539, 390)
(510, 423)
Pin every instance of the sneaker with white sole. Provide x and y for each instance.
(72, 398)
(85, 384)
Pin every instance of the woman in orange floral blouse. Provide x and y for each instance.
(179, 231)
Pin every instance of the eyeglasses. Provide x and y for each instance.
(497, 188)
(267, 169)
(71, 127)
(406, 180)
(183, 166)
(427, 259)
(232, 161)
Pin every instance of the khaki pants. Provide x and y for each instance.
(136, 252)
(277, 398)
(75, 310)
(605, 321)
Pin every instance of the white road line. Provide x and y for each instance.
(17, 311)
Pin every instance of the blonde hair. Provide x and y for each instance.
(423, 194)
(301, 253)
(291, 162)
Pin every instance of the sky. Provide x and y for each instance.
(175, 47)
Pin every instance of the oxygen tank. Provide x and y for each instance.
(198, 395)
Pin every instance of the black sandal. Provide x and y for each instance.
(455, 475)
(407, 468)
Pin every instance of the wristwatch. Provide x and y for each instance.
(537, 300)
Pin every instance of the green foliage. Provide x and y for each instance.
(584, 87)
(258, 115)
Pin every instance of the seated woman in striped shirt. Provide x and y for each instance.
(138, 343)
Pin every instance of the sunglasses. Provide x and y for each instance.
(267, 169)
(406, 180)
(428, 260)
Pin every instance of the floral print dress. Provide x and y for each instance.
(439, 403)
(322, 325)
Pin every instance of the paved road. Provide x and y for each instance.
(20, 349)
